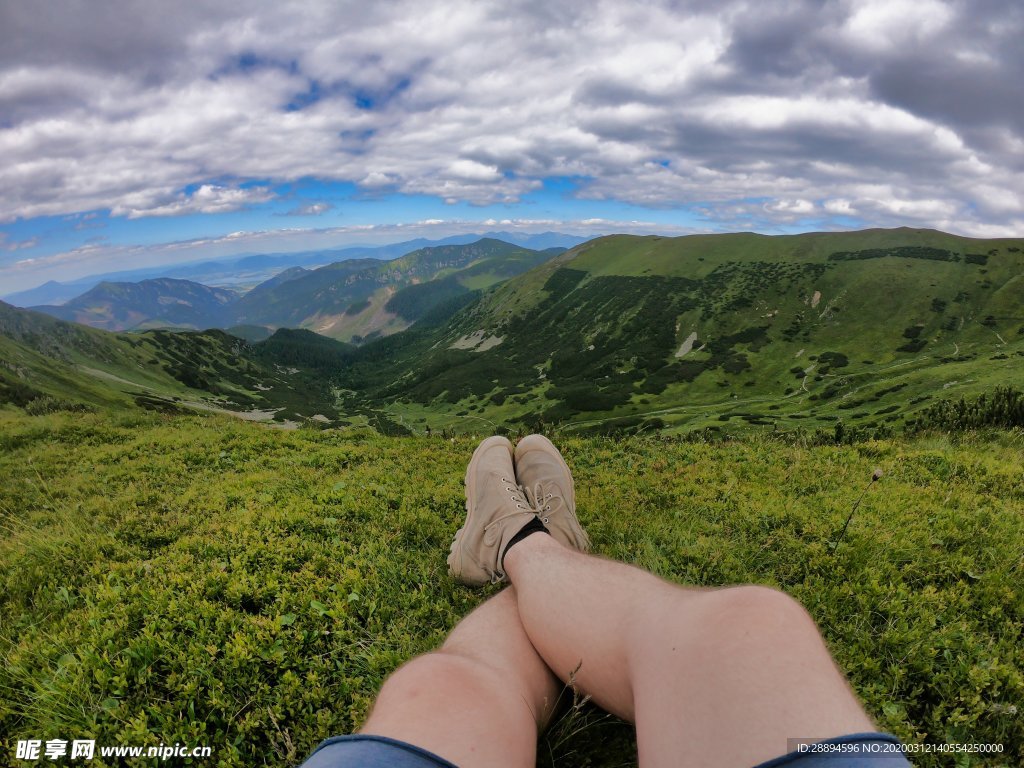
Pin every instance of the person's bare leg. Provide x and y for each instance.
(710, 677)
(479, 700)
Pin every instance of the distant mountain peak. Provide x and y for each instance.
(118, 306)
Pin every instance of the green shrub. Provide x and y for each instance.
(17, 392)
(1003, 408)
(46, 404)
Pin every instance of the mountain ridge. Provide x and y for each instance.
(251, 269)
(349, 299)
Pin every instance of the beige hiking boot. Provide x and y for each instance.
(496, 510)
(544, 475)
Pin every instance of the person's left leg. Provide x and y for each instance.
(480, 699)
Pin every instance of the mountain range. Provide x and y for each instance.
(246, 271)
(713, 332)
(354, 299)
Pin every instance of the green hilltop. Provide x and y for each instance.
(159, 303)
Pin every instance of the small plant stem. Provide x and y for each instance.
(850, 517)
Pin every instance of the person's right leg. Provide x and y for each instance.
(480, 699)
(710, 677)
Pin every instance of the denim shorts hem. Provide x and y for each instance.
(854, 750)
(361, 749)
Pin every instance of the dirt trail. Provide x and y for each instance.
(114, 377)
(807, 373)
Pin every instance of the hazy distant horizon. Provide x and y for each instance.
(169, 269)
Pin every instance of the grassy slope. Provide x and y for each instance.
(78, 363)
(863, 310)
(209, 370)
(209, 581)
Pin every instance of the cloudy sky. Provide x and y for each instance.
(138, 133)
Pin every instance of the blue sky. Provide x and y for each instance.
(311, 214)
(133, 138)
(314, 204)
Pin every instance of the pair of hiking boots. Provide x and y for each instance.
(508, 489)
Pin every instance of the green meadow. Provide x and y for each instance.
(214, 582)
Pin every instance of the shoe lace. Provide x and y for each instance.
(523, 504)
(539, 501)
(517, 495)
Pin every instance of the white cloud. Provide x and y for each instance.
(660, 104)
(791, 207)
(880, 25)
(311, 209)
(470, 170)
(840, 207)
(208, 198)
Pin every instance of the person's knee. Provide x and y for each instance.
(424, 671)
(723, 620)
(758, 601)
(438, 671)
(761, 614)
